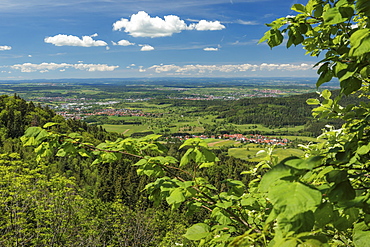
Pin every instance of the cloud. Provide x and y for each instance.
(70, 40)
(5, 48)
(246, 22)
(146, 48)
(204, 25)
(45, 67)
(210, 49)
(227, 68)
(250, 42)
(143, 25)
(123, 43)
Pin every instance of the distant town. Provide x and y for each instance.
(256, 139)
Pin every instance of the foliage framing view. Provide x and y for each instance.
(321, 199)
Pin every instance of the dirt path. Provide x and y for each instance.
(124, 132)
(214, 143)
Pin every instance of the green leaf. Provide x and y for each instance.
(326, 94)
(199, 157)
(285, 242)
(361, 235)
(310, 5)
(207, 164)
(325, 171)
(363, 149)
(325, 76)
(325, 214)
(83, 153)
(363, 6)
(273, 37)
(307, 164)
(346, 219)
(74, 135)
(299, 8)
(291, 198)
(209, 156)
(318, 11)
(365, 72)
(336, 176)
(108, 157)
(49, 125)
(342, 191)
(61, 153)
(176, 196)
(302, 222)
(276, 38)
(350, 85)
(274, 175)
(197, 231)
(224, 205)
(217, 213)
(313, 102)
(333, 16)
(265, 37)
(195, 142)
(360, 42)
(340, 67)
(346, 12)
(185, 159)
(236, 187)
(29, 141)
(36, 132)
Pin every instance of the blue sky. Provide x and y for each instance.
(134, 38)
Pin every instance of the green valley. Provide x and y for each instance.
(186, 107)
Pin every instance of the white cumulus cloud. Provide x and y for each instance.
(70, 40)
(143, 25)
(210, 49)
(204, 25)
(123, 43)
(45, 67)
(147, 48)
(227, 68)
(5, 48)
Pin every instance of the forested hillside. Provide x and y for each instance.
(271, 112)
(69, 201)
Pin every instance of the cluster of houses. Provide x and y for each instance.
(63, 99)
(252, 138)
(107, 112)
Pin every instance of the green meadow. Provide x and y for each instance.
(249, 153)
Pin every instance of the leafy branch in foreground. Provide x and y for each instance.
(178, 182)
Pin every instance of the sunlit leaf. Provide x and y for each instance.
(291, 198)
(197, 231)
(360, 42)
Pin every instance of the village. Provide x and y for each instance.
(251, 138)
(80, 114)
